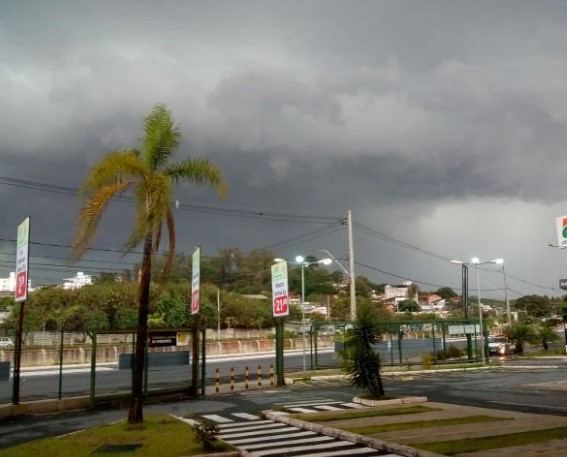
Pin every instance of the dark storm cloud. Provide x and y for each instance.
(313, 107)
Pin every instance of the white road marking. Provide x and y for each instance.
(217, 418)
(287, 442)
(240, 424)
(328, 408)
(263, 438)
(282, 428)
(314, 447)
(360, 450)
(246, 416)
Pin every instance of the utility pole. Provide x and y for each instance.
(508, 315)
(351, 264)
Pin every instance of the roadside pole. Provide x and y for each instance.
(195, 307)
(280, 309)
(20, 295)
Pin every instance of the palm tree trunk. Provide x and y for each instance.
(135, 413)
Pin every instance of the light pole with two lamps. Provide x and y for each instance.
(476, 262)
(300, 260)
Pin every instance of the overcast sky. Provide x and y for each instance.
(441, 124)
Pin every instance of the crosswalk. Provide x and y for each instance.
(300, 402)
(261, 437)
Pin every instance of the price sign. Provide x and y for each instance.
(22, 251)
(280, 297)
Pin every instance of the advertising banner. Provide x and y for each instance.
(22, 264)
(280, 297)
(196, 281)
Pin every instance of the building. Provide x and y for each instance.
(395, 294)
(78, 281)
(8, 284)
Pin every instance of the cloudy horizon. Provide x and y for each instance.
(440, 124)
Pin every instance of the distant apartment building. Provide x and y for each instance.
(398, 293)
(8, 284)
(78, 281)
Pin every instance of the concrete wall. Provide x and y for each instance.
(109, 354)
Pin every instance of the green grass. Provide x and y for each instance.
(326, 417)
(493, 442)
(159, 436)
(384, 428)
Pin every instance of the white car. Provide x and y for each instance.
(499, 345)
(6, 342)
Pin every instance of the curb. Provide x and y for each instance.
(374, 443)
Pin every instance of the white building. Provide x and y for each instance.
(8, 284)
(396, 294)
(78, 281)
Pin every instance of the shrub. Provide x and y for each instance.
(428, 360)
(206, 433)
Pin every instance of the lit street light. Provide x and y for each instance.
(476, 262)
(300, 260)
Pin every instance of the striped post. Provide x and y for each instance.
(246, 376)
(217, 380)
(272, 383)
(259, 372)
(232, 379)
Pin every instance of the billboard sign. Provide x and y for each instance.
(196, 281)
(280, 296)
(162, 339)
(561, 226)
(22, 263)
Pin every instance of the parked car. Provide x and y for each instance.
(499, 345)
(6, 342)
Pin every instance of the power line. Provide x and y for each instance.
(204, 209)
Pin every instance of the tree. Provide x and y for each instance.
(148, 174)
(446, 292)
(520, 332)
(545, 335)
(534, 305)
(409, 306)
(360, 361)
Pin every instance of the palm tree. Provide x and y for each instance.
(148, 175)
(361, 362)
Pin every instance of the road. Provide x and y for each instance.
(43, 384)
(541, 390)
(525, 390)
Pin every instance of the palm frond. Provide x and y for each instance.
(90, 215)
(161, 137)
(198, 171)
(114, 167)
(153, 198)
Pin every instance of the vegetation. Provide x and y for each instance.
(493, 442)
(408, 306)
(150, 176)
(159, 436)
(385, 428)
(360, 361)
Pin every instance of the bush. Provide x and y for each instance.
(206, 433)
(428, 360)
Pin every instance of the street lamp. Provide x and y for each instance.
(300, 260)
(476, 262)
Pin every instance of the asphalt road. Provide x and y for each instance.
(43, 384)
(521, 389)
(518, 389)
